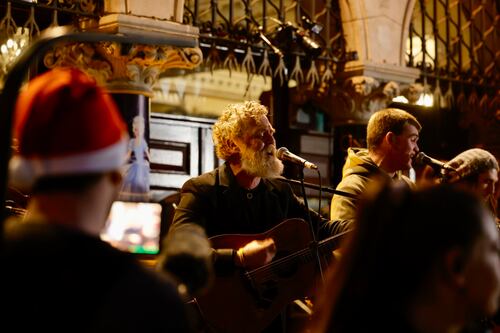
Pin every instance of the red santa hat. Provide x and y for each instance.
(66, 125)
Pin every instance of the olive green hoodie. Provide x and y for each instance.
(358, 171)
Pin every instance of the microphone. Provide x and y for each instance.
(285, 155)
(422, 158)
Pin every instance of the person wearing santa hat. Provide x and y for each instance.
(57, 274)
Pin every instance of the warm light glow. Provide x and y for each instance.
(417, 51)
(400, 99)
(11, 49)
(426, 99)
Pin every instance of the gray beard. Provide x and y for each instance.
(261, 164)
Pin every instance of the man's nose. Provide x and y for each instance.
(269, 139)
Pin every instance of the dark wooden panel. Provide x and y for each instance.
(181, 147)
(170, 156)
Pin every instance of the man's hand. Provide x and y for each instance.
(256, 253)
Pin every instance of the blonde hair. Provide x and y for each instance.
(232, 124)
(138, 122)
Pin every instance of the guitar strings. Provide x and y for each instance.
(266, 271)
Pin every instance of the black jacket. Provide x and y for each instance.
(216, 202)
(55, 279)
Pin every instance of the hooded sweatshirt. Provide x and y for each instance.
(358, 171)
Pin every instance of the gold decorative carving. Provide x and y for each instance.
(412, 92)
(359, 98)
(86, 6)
(131, 68)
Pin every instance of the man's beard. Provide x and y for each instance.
(263, 163)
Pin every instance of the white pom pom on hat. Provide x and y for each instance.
(65, 124)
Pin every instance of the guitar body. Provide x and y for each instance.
(248, 301)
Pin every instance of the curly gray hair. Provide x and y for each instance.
(232, 124)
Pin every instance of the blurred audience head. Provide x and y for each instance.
(417, 261)
(68, 132)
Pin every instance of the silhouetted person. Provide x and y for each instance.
(57, 274)
(477, 170)
(424, 261)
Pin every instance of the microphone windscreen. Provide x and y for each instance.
(420, 158)
(280, 152)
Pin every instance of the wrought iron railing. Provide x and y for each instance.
(301, 39)
(279, 38)
(40, 14)
(22, 20)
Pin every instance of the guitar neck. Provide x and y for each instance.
(303, 256)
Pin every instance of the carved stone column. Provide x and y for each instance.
(359, 97)
(378, 31)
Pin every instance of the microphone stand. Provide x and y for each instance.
(316, 187)
(314, 243)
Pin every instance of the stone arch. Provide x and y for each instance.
(377, 29)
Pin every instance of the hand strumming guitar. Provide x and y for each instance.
(256, 253)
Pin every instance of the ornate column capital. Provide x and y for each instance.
(359, 97)
(123, 68)
(382, 72)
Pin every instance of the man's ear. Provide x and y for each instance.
(390, 137)
(454, 267)
(235, 149)
(235, 146)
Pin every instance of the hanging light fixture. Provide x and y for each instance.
(13, 40)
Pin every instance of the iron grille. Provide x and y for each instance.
(456, 40)
(232, 30)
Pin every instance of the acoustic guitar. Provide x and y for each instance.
(248, 301)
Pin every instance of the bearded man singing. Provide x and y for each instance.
(242, 196)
